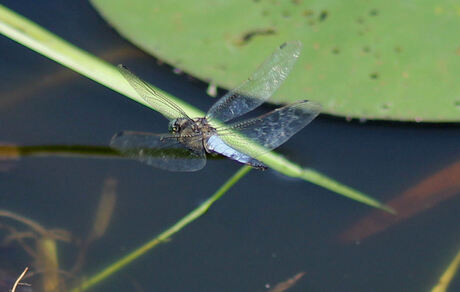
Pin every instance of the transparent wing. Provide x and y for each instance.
(153, 97)
(259, 87)
(161, 151)
(271, 129)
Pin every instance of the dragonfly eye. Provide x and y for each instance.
(173, 127)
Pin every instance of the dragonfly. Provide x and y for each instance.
(185, 146)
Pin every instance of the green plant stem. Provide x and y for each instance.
(44, 42)
(165, 235)
(448, 275)
(38, 39)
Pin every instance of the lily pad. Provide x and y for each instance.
(390, 60)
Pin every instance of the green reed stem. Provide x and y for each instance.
(165, 235)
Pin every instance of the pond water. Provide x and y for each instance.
(265, 230)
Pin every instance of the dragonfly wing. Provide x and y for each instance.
(259, 87)
(271, 129)
(152, 96)
(161, 151)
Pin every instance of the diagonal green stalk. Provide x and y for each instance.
(44, 42)
(165, 235)
(448, 275)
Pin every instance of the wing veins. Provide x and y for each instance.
(259, 87)
(270, 129)
(149, 94)
(161, 150)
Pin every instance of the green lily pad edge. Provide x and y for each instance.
(377, 60)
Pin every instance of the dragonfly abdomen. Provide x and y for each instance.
(216, 145)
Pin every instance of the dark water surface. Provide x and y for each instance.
(265, 230)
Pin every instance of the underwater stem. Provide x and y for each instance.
(165, 235)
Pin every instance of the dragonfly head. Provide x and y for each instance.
(173, 126)
(176, 126)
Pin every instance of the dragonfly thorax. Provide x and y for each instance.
(191, 132)
(190, 127)
(204, 127)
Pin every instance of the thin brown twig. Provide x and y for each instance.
(283, 286)
(21, 242)
(32, 224)
(19, 279)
